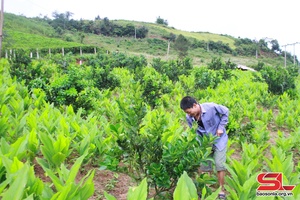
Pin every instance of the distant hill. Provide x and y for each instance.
(36, 33)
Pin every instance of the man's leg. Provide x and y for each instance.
(220, 159)
(221, 177)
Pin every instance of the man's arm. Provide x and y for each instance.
(223, 113)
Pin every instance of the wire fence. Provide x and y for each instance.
(48, 52)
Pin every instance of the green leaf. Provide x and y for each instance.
(288, 165)
(15, 166)
(63, 194)
(185, 188)
(233, 193)
(56, 181)
(33, 141)
(17, 187)
(47, 154)
(75, 168)
(4, 147)
(61, 144)
(214, 195)
(109, 196)
(249, 187)
(203, 193)
(87, 190)
(47, 140)
(232, 182)
(4, 184)
(58, 158)
(296, 192)
(139, 192)
(19, 147)
(29, 197)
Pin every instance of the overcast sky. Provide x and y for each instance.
(253, 19)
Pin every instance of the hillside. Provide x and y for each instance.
(36, 33)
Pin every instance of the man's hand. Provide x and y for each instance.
(219, 132)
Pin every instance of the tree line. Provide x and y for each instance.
(63, 22)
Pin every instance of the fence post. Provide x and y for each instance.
(63, 52)
(37, 54)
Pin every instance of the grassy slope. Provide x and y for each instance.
(25, 32)
(27, 25)
(156, 29)
(16, 39)
(22, 32)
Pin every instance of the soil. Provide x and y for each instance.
(116, 184)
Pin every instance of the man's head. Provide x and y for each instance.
(190, 106)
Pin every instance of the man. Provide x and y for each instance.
(211, 119)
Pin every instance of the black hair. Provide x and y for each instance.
(187, 102)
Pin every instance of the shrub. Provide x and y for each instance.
(224, 67)
(174, 68)
(279, 79)
(205, 78)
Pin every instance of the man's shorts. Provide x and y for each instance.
(219, 158)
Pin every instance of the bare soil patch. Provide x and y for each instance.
(116, 184)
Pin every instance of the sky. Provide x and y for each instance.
(253, 19)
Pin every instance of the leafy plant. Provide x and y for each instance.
(202, 182)
(20, 182)
(282, 162)
(241, 182)
(185, 188)
(183, 154)
(205, 78)
(54, 151)
(173, 68)
(154, 85)
(139, 192)
(224, 67)
(182, 46)
(65, 183)
(278, 79)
